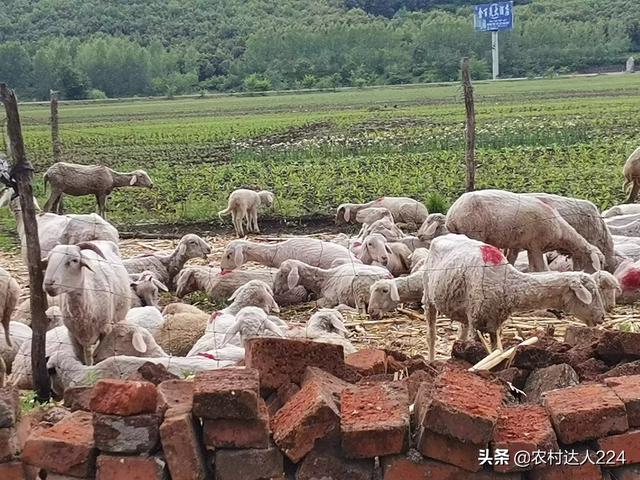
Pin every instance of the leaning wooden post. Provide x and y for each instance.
(22, 174)
(470, 127)
(55, 132)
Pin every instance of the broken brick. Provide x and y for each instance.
(9, 444)
(133, 434)
(450, 450)
(175, 397)
(523, 428)
(123, 397)
(415, 380)
(585, 412)
(226, 393)
(249, 464)
(375, 420)
(141, 467)
(628, 390)
(327, 462)
(66, 448)
(181, 447)
(281, 360)
(549, 378)
(12, 471)
(368, 361)
(615, 345)
(330, 382)
(628, 442)
(238, 433)
(9, 406)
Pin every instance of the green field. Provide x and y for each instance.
(315, 150)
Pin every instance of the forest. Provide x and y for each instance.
(123, 48)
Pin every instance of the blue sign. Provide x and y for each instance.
(492, 17)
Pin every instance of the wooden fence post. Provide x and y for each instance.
(22, 174)
(55, 132)
(470, 127)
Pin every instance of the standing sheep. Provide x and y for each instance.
(94, 289)
(631, 172)
(75, 180)
(9, 296)
(243, 206)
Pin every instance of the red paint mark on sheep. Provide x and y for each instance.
(631, 280)
(225, 271)
(207, 355)
(213, 316)
(492, 255)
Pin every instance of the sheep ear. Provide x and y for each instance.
(138, 342)
(44, 262)
(431, 230)
(393, 290)
(238, 256)
(293, 278)
(161, 286)
(387, 248)
(234, 295)
(133, 180)
(582, 293)
(595, 261)
(338, 324)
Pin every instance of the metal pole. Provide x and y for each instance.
(495, 54)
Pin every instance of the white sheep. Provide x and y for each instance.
(149, 318)
(434, 226)
(75, 180)
(474, 284)
(251, 322)
(631, 229)
(626, 247)
(368, 215)
(325, 326)
(403, 209)
(385, 227)
(94, 289)
(145, 289)
(20, 333)
(520, 222)
(620, 220)
(309, 250)
(624, 209)
(628, 277)
(167, 266)
(9, 296)
(344, 284)
(243, 206)
(127, 339)
(181, 328)
(386, 295)
(631, 172)
(418, 259)
(394, 256)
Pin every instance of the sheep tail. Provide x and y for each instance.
(223, 212)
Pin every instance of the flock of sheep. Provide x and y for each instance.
(494, 253)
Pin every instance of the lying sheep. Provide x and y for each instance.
(344, 284)
(181, 330)
(386, 295)
(146, 289)
(9, 296)
(403, 209)
(251, 322)
(75, 180)
(520, 222)
(308, 250)
(631, 172)
(148, 318)
(434, 226)
(220, 285)
(127, 339)
(631, 229)
(166, 267)
(59, 229)
(367, 216)
(394, 256)
(243, 206)
(385, 227)
(627, 247)
(624, 209)
(473, 283)
(94, 289)
(324, 326)
(22, 314)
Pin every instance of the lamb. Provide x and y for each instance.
(631, 172)
(94, 289)
(474, 284)
(403, 209)
(520, 222)
(243, 206)
(127, 339)
(59, 229)
(325, 326)
(624, 209)
(344, 284)
(309, 250)
(145, 288)
(386, 295)
(166, 267)
(73, 179)
(9, 296)
(220, 285)
(394, 256)
(434, 226)
(148, 318)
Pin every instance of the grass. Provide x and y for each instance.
(315, 150)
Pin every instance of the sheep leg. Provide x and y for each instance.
(59, 209)
(512, 255)
(51, 202)
(430, 314)
(102, 207)
(236, 218)
(496, 340)
(536, 261)
(634, 191)
(254, 221)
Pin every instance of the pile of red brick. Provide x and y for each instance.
(299, 410)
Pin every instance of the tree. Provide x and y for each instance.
(73, 83)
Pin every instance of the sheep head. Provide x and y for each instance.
(147, 287)
(344, 213)
(609, 288)
(375, 249)
(287, 277)
(434, 226)
(255, 293)
(328, 320)
(251, 322)
(65, 265)
(384, 297)
(266, 197)
(583, 298)
(140, 178)
(186, 282)
(192, 246)
(233, 256)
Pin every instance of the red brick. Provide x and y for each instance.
(226, 393)
(9, 406)
(9, 444)
(66, 448)
(78, 398)
(375, 420)
(326, 462)
(632, 472)
(461, 405)
(249, 464)
(615, 345)
(175, 397)
(331, 383)
(523, 428)
(414, 381)
(587, 471)
(628, 390)
(628, 442)
(181, 447)
(238, 433)
(310, 415)
(12, 471)
(585, 412)
(281, 360)
(414, 467)
(369, 361)
(450, 450)
(129, 468)
(123, 397)
(133, 434)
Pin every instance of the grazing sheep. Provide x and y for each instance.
(624, 209)
(75, 180)
(181, 330)
(386, 295)
(94, 289)
(344, 284)
(403, 209)
(127, 339)
(309, 250)
(474, 284)
(243, 206)
(148, 318)
(520, 222)
(631, 172)
(434, 226)
(220, 285)
(146, 289)
(166, 267)
(393, 256)
(9, 296)
(59, 229)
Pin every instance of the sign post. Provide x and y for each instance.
(493, 17)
